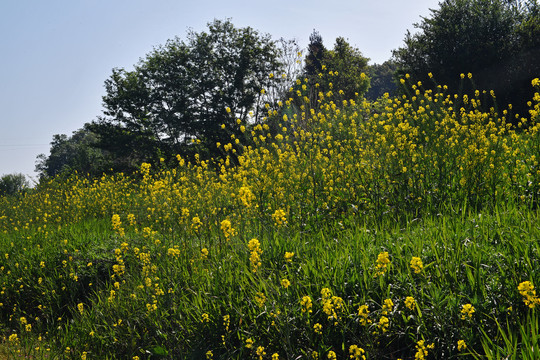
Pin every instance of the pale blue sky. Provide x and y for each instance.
(56, 54)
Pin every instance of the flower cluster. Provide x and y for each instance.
(254, 247)
(279, 217)
(381, 266)
(527, 291)
(467, 312)
(417, 265)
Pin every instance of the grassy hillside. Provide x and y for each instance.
(405, 228)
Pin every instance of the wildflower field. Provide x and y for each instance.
(406, 228)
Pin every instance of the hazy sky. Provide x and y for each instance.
(56, 54)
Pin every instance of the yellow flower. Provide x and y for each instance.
(275, 356)
(209, 355)
(416, 264)
(527, 291)
(467, 311)
(260, 352)
(535, 82)
(196, 223)
(260, 299)
(249, 343)
(422, 350)
(285, 283)
(306, 304)
(461, 345)
(356, 353)
(255, 256)
(332, 355)
(227, 229)
(410, 303)
(387, 306)
(382, 263)
(363, 313)
(288, 256)
(205, 318)
(80, 306)
(279, 217)
(384, 323)
(317, 328)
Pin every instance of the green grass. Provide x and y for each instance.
(161, 265)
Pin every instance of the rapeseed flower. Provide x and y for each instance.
(417, 265)
(306, 304)
(410, 303)
(527, 291)
(467, 312)
(227, 229)
(205, 318)
(260, 352)
(255, 255)
(382, 263)
(384, 324)
(388, 305)
(288, 256)
(356, 353)
(260, 299)
(363, 313)
(422, 350)
(279, 217)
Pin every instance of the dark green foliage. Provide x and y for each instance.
(179, 93)
(351, 68)
(382, 79)
(12, 184)
(73, 153)
(494, 40)
(338, 74)
(316, 52)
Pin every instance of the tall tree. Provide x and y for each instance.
(382, 79)
(483, 37)
(73, 153)
(186, 91)
(340, 71)
(12, 184)
(349, 67)
(315, 56)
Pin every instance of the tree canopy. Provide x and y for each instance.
(337, 73)
(11, 184)
(77, 152)
(186, 92)
(495, 40)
